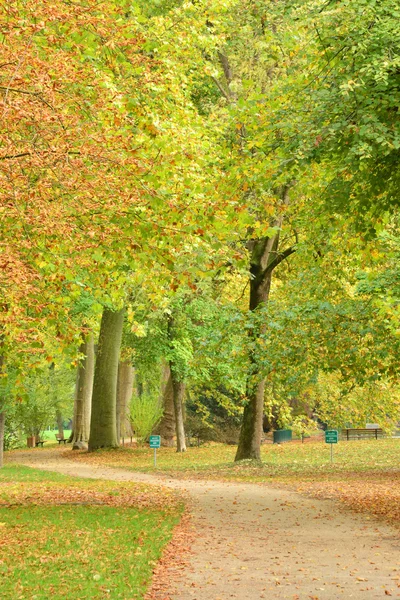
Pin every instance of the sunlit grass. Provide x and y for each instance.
(17, 473)
(51, 435)
(364, 475)
(284, 460)
(88, 539)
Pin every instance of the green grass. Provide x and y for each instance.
(64, 537)
(18, 473)
(51, 435)
(292, 459)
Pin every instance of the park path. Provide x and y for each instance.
(255, 541)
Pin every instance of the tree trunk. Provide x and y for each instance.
(164, 379)
(166, 427)
(264, 259)
(2, 423)
(83, 395)
(60, 423)
(126, 377)
(54, 389)
(2, 413)
(252, 425)
(139, 387)
(103, 430)
(178, 388)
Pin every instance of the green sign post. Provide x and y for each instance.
(331, 437)
(155, 442)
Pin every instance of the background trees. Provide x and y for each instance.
(354, 89)
(225, 171)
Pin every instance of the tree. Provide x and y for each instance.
(103, 430)
(85, 170)
(265, 257)
(265, 204)
(353, 80)
(334, 316)
(126, 376)
(179, 351)
(166, 427)
(154, 151)
(2, 409)
(35, 396)
(83, 394)
(341, 405)
(197, 331)
(89, 144)
(295, 116)
(145, 413)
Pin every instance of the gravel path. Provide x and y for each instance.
(254, 541)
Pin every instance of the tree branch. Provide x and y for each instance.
(37, 95)
(278, 259)
(226, 92)
(226, 67)
(16, 91)
(221, 88)
(12, 156)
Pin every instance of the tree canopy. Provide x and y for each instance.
(225, 175)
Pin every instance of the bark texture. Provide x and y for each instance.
(83, 395)
(166, 427)
(2, 423)
(165, 377)
(60, 423)
(251, 430)
(2, 413)
(178, 388)
(126, 376)
(139, 387)
(265, 257)
(103, 429)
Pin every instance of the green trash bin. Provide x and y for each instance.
(282, 435)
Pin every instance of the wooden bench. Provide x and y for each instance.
(61, 438)
(358, 434)
(40, 443)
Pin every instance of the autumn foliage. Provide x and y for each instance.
(67, 139)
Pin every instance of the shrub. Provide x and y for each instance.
(145, 414)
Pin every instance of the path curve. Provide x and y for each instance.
(254, 541)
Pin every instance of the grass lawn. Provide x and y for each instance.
(280, 461)
(365, 474)
(51, 435)
(88, 539)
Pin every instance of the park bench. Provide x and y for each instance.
(358, 434)
(40, 442)
(60, 438)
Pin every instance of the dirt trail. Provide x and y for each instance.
(256, 542)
